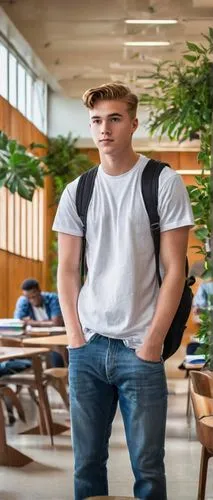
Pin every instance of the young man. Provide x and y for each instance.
(116, 323)
(39, 308)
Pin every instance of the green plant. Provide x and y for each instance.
(205, 336)
(180, 106)
(20, 171)
(64, 162)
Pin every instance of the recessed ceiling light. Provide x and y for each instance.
(146, 44)
(151, 21)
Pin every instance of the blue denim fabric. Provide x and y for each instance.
(101, 373)
(49, 300)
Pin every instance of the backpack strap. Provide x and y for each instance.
(83, 196)
(149, 189)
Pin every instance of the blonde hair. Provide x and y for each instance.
(111, 91)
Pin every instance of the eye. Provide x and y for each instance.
(115, 119)
(97, 121)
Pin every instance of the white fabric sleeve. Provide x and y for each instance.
(173, 202)
(67, 220)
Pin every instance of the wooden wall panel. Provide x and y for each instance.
(4, 298)
(19, 269)
(13, 268)
(188, 160)
(49, 209)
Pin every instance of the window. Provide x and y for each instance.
(38, 104)
(3, 71)
(21, 87)
(29, 94)
(12, 80)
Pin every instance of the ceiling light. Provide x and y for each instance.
(146, 44)
(151, 21)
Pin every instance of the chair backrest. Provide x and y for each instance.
(202, 383)
(201, 394)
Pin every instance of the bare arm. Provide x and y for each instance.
(55, 321)
(173, 255)
(69, 284)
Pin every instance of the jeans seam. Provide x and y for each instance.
(107, 358)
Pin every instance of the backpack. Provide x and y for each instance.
(149, 188)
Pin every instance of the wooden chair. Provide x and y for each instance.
(202, 400)
(7, 394)
(56, 377)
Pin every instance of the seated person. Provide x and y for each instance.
(203, 297)
(38, 308)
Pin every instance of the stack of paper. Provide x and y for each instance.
(11, 326)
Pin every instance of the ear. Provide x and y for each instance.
(134, 125)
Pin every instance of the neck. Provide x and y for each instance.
(119, 163)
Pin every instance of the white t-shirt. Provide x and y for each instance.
(40, 313)
(119, 296)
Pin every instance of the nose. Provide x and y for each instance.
(105, 128)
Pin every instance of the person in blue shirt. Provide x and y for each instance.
(203, 297)
(37, 308)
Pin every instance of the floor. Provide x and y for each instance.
(49, 477)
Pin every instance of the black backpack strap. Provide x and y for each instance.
(149, 188)
(83, 196)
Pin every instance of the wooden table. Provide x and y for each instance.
(36, 332)
(8, 455)
(53, 342)
(50, 342)
(44, 332)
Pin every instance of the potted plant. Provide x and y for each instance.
(180, 103)
(20, 171)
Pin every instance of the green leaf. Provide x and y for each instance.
(34, 145)
(194, 47)
(19, 158)
(2, 181)
(3, 172)
(207, 274)
(202, 233)
(190, 58)
(211, 33)
(24, 191)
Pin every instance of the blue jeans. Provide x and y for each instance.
(101, 373)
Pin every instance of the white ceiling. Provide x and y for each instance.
(81, 43)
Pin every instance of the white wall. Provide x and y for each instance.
(69, 115)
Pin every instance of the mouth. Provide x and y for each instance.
(106, 141)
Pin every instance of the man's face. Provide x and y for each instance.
(111, 126)
(34, 296)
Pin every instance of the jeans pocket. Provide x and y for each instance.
(150, 362)
(93, 337)
(70, 348)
